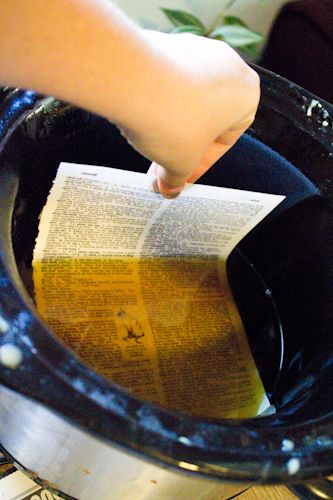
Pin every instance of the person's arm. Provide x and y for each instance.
(181, 100)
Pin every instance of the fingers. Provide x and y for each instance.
(171, 186)
(167, 190)
(219, 148)
(162, 186)
(212, 155)
(152, 170)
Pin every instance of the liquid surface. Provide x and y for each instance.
(167, 329)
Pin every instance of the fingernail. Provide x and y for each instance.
(172, 193)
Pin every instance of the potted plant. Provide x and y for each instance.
(231, 29)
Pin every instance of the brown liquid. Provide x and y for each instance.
(166, 329)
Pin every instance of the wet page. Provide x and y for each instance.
(136, 285)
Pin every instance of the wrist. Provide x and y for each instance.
(81, 51)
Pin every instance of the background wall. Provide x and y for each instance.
(259, 15)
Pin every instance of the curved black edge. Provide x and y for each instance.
(322, 488)
(13, 104)
(314, 117)
(112, 414)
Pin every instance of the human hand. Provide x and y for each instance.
(181, 100)
(202, 100)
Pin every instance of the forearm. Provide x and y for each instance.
(181, 100)
(82, 51)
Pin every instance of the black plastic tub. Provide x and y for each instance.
(289, 256)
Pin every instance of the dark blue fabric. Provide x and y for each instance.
(253, 166)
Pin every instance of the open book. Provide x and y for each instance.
(136, 285)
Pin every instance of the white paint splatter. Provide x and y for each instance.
(293, 466)
(312, 105)
(10, 356)
(325, 123)
(287, 445)
(185, 440)
(4, 326)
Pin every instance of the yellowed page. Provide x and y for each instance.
(137, 286)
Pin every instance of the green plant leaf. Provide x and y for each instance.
(233, 20)
(236, 36)
(188, 29)
(250, 50)
(182, 18)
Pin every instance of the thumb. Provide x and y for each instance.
(168, 184)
